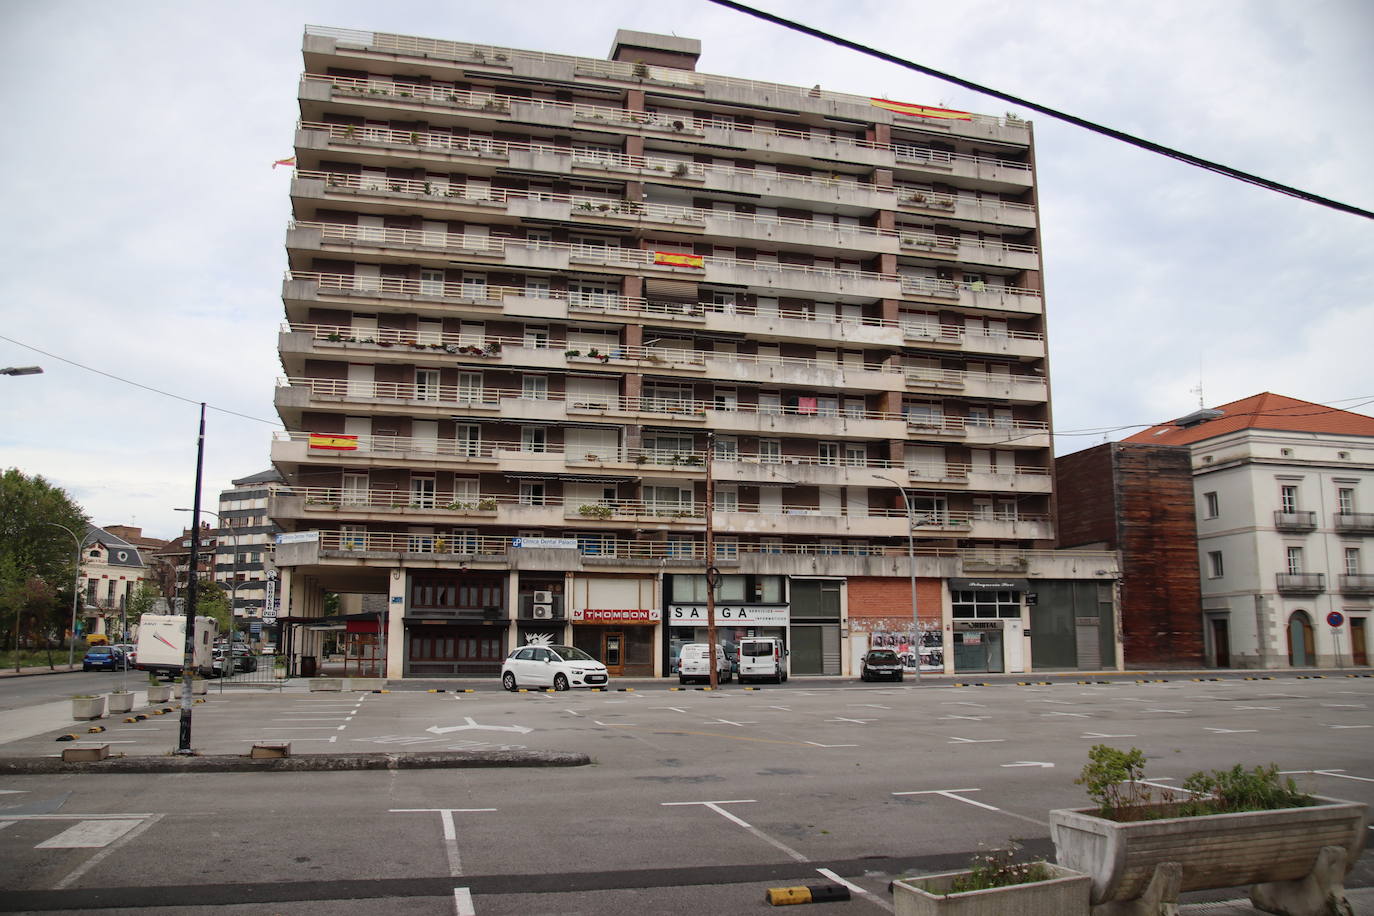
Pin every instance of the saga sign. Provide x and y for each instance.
(683, 615)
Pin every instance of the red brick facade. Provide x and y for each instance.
(885, 603)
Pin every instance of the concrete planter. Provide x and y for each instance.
(1066, 894)
(88, 707)
(1272, 850)
(121, 702)
(159, 694)
(199, 687)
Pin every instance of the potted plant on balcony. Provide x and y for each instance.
(1225, 828)
(994, 884)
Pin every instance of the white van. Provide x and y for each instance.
(695, 664)
(762, 658)
(162, 644)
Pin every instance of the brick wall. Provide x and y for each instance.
(874, 599)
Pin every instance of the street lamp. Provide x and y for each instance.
(22, 370)
(911, 562)
(234, 587)
(76, 589)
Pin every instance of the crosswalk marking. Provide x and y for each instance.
(89, 834)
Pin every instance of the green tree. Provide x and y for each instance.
(36, 557)
(142, 601)
(212, 600)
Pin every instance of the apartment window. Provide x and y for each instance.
(1211, 506)
(537, 287)
(432, 282)
(727, 499)
(727, 448)
(1345, 501)
(534, 388)
(828, 452)
(531, 493)
(427, 384)
(856, 456)
(1352, 561)
(538, 238)
(1215, 568)
(770, 451)
(1294, 560)
(536, 337)
(534, 439)
(1288, 499)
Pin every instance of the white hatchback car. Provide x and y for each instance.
(559, 667)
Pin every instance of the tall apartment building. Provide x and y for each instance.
(1284, 495)
(244, 540)
(533, 297)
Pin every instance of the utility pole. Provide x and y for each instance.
(712, 573)
(189, 650)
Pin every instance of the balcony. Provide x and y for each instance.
(1300, 583)
(1295, 521)
(1353, 522)
(957, 249)
(977, 295)
(1356, 584)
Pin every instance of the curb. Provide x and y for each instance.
(308, 763)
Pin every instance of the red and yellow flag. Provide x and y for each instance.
(922, 111)
(334, 442)
(676, 259)
(289, 160)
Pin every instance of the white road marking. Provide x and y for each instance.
(455, 864)
(12, 791)
(965, 703)
(854, 721)
(4, 824)
(472, 725)
(1029, 763)
(1345, 705)
(737, 724)
(1102, 735)
(1178, 712)
(854, 888)
(953, 740)
(146, 821)
(673, 708)
(814, 744)
(969, 718)
(462, 902)
(1076, 715)
(871, 705)
(1230, 731)
(954, 794)
(1255, 707)
(90, 834)
(573, 712)
(1350, 726)
(715, 806)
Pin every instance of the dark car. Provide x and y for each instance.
(878, 664)
(105, 658)
(244, 660)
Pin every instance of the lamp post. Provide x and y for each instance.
(233, 588)
(911, 563)
(76, 590)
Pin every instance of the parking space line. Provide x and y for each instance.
(715, 806)
(455, 863)
(462, 902)
(855, 889)
(147, 821)
(952, 793)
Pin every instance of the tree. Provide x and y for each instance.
(32, 547)
(142, 601)
(212, 600)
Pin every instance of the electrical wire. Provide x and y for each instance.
(1141, 143)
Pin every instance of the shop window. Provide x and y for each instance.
(986, 605)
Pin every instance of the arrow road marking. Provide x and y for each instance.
(519, 729)
(1029, 763)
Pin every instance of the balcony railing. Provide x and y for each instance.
(497, 104)
(616, 70)
(1295, 521)
(1355, 584)
(486, 148)
(610, 303)
(1300, 583)
(1353, 522)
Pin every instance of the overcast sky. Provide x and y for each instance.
(145, 227)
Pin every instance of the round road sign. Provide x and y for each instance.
(1335, 618)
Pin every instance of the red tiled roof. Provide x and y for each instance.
(1262, 411)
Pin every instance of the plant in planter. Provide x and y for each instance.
(120, 701)
(158, 692)
(1223, 829)
(601, 512)
(995, 884)
(572, 352)
(486, 504)
(87, 706)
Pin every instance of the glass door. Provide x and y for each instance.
(613, 653)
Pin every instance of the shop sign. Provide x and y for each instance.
(298, 537)
(988, 585)
(735, 614)
(616, 615)
(545, 543)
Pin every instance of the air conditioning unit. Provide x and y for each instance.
(543, 597)
(543, 612)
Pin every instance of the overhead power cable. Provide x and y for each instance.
(1147, 145)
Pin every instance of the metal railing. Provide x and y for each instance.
(1300, 583)
(613, 70)
(494, 103)
(1295, 521)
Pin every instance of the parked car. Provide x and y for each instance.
(879, 664)
(244, 660)
(559, 667)
(130, 653)
(695, 664)
(105, 658)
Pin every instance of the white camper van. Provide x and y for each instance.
(162, 644)
(762, 658)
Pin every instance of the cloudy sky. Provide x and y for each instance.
(145, 228)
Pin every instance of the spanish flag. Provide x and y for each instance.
(289, 160)
(922, 111)
(334, 442)
(676, 259)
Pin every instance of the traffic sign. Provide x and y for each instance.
(1335, 618)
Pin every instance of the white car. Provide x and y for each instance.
(695, 664)
(559, 667)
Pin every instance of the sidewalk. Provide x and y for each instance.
(62, 668)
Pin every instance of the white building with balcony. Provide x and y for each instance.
(532, 297)
(1285, 501)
